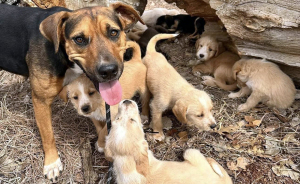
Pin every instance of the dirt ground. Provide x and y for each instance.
(258, 147)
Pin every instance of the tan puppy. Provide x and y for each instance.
(134, 163)
(171, 91)
(89, 103)
(266, 83)
(216, 61)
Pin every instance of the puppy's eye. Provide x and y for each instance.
(200, 115)
(201, 45)
(75, 97)
(114, 33)
(79, 40)
(210, 49)
(132, 120)
(91, 93)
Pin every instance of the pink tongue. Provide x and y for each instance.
(111, 92)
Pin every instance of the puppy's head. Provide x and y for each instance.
(166, 21)
(83, 95)
(93, 37)
(241, 71)
(208, 47)
(195, 110)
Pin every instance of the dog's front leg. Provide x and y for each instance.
(251, 102)
(157, 124)
(43, 92)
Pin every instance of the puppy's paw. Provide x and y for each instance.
(52, 171)
(233, 95)
(157, 137)
(208, 81)
(243, 108)
(98, 148)
(197, 73)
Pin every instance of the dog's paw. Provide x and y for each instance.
(208, 81)
(197, 73)
(157, 137)
(52, 171)
(233, 95)
(242, 108)
(98, 148)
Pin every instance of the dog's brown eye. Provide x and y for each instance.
(200, 45)
(75, 97)
(132, 120)
(91, 93)
(114, 33)
(79, 40)
(200, 115)
(210, 49)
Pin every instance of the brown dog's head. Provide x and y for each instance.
(93, 37)
(208, 47)
(195, 110)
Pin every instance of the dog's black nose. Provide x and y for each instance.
(85, 108)
(127, 102)
(108, 71)
(213, 126)
(201, 55)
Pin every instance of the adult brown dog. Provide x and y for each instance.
(42, 44)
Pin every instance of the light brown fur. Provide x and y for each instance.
(265, 82)
(141, 167)
(133, 80)
(216, 61)
(171, 91)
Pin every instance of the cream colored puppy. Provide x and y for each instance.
(171, 91)
(134, 163)
(216, 61)
(89, 103)
(265, 82)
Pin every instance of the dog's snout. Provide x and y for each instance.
(108, 71)
(127, 102)
(212, 126)
(85, 108)
(201, 55)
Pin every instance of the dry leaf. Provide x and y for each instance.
(232, 166)
(249, 119)
(289, 138)
(254, 123)
(286, 168)
(183, 136)
(242, 162)
(228, 129)
(272, 147)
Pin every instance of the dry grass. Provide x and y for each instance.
(21, 154)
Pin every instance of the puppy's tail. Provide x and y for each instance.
(227, 87)
(136, 51)
(194, 157)
(156, 38)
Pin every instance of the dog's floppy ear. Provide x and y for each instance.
(220, 49)
(236, 69)
(142, 162)
(51, 27)
(127, 13)
(180, 110)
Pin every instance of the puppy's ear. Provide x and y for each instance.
(51, 27)
(142, 162)
(236, 69)
(64, 94)
(179, 111)
(127, 13)
(220, 49)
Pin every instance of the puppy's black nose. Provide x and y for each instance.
(201, 55)
(127, 102)
(85, 108)
(108, 71)
(213, 126)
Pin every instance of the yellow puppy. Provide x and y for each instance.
(89, 103)
(134, 163)
(215, 61)
(171, 91)
(265, 82)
